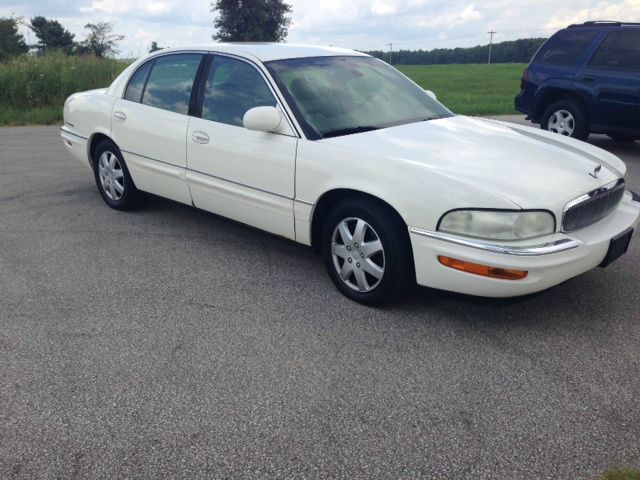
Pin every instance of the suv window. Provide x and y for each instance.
(621, 51)
(565, 47)
(626, 53)
(232, 88)
(171, 81)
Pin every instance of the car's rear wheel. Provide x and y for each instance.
(113, 178)
(367, 251)
(566, 117)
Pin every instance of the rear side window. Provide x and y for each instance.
(171, 81)
(626, 53)
(136, 83)
(565, 47)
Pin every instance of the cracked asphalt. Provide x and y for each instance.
(172, 343)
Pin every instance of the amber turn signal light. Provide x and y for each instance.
(483, 270)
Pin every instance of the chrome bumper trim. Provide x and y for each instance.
(529, 251)
(66, 130)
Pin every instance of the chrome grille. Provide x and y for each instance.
(592, 206)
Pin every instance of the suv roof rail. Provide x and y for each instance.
(602, 23)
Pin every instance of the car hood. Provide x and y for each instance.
(532, 168)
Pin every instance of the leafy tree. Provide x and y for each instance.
(154, 47)
(52, 35)
(11, 41)
(251, 20)
(100, 41)
(515, 51)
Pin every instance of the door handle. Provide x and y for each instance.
(119, 116)
(200, 137)
(588, 78)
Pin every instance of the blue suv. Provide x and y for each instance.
(586, 79)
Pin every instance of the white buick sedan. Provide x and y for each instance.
(339, 151)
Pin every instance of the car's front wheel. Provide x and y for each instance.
(367, 251)
(113, 178)
(566, 117)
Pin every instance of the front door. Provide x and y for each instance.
(235, 172)
(612, 76)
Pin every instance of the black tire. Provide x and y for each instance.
(622, 138)
(382, 223)
(579, 117)
(117, 190)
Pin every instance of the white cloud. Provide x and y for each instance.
(384, 8)
(626, 10)
(361, 24)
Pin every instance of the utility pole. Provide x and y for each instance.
(390, 49)
(492, 33)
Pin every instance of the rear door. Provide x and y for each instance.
(612, 75)
(150, 123)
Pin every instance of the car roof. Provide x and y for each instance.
(604, 23)
(266, 52)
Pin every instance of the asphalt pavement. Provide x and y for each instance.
(171, 343)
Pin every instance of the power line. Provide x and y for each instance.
(492, 33)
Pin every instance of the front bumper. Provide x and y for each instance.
(549, 261)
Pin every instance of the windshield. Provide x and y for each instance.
(334, 96)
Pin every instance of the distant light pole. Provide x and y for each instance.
(492, 33)
(390, 49)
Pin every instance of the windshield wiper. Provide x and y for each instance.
(348, 131)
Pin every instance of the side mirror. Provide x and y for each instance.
(431, 94)
(262, 119)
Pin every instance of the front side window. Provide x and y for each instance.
(171, 81)
(565, 47)
(333, 96)
(232, 88)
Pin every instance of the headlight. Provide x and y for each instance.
(498, 225)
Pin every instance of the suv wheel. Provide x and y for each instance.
(566, 117)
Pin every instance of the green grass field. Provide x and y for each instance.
(33, 89)
(470, 89)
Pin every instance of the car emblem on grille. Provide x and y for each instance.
(596, 171)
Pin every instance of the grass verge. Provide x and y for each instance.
(33, 89)
(622, 474)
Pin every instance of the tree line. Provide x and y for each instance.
(515, 51)
(52, 36)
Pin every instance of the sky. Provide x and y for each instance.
(356, 24)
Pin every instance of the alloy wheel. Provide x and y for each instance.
(111, 175)
(358, 254)
(562, 122)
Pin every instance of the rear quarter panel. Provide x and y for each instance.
(87, 114)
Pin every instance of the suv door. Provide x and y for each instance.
(612, 77)
(150, 122)
(235, 172)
